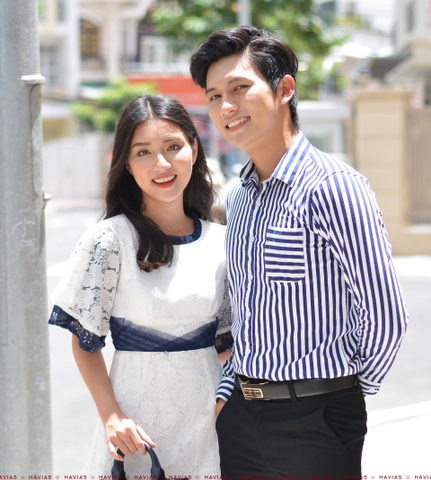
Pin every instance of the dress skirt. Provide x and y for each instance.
(171, 395)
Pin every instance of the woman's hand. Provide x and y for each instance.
(123, 433)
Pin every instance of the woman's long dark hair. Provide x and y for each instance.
(124, 196)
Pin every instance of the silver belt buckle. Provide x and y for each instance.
(251, 393)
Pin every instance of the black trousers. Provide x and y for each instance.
(314, 438)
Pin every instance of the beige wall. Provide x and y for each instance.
(380, 146)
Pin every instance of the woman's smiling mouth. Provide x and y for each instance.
(164, 180)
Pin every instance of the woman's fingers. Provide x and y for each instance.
(112, 449)
(127, 436)
(145, 437)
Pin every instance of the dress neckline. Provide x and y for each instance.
(184, 239)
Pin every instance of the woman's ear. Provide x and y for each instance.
(128, 168)
(194, 151)
(287, 88)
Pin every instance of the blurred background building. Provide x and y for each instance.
(372, 109)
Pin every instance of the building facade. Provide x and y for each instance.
(412, 41)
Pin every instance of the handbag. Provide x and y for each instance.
(157, 472)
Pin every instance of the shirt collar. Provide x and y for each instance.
(289, 165)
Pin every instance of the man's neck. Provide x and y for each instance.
(268, 157)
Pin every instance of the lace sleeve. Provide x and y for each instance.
(87, 340)
(224, 340)
(224, 315)
(87, 289)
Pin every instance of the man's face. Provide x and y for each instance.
(241, 104)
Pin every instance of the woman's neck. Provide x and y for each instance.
(171, 221)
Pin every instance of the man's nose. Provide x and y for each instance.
(229, 104)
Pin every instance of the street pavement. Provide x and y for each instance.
(398, 443)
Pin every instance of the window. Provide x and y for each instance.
(153, 49)
(49, 65)
(89, 40)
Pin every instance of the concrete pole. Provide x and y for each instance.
(244, 18)
(25, 422)
(244, 13)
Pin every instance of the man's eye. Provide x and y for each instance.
(214, 97)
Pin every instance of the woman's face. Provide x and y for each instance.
(161, 161)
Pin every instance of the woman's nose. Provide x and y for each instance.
(162, 163)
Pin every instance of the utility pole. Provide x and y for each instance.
(244, 13)
(25, 419)
(243, 19)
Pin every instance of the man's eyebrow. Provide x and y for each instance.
(232, 80)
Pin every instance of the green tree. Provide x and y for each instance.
(101, 114)
(295, 21)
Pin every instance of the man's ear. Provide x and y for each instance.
(287, 88)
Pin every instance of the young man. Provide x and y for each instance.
(318, 315)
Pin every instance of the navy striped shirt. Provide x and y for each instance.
(313, 287)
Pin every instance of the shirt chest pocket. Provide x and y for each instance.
(284, 254)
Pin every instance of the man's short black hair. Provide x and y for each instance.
(272, 57)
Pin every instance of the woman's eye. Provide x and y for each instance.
(142, 153)
(174, 147)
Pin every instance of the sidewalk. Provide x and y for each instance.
(398, 443)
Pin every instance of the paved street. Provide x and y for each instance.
(398, 442)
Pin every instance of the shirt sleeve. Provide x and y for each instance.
(346, 215)
(87, 289)
(227, 383)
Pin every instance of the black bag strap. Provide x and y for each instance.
(157, 472)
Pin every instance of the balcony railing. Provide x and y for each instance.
(156, 67)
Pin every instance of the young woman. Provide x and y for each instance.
(152, 273)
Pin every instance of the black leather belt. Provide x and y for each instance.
(254, 389)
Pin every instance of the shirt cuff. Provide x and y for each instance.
(368, 387)
(225, 388)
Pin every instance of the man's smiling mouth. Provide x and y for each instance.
(237, 122)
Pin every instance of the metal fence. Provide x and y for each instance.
(419, 165)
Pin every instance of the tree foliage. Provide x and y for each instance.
(294, 21)
(101, 114)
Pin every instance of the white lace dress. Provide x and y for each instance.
(173, 314)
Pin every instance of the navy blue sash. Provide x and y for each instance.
(130, 337)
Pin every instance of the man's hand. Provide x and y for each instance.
(220, 404)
